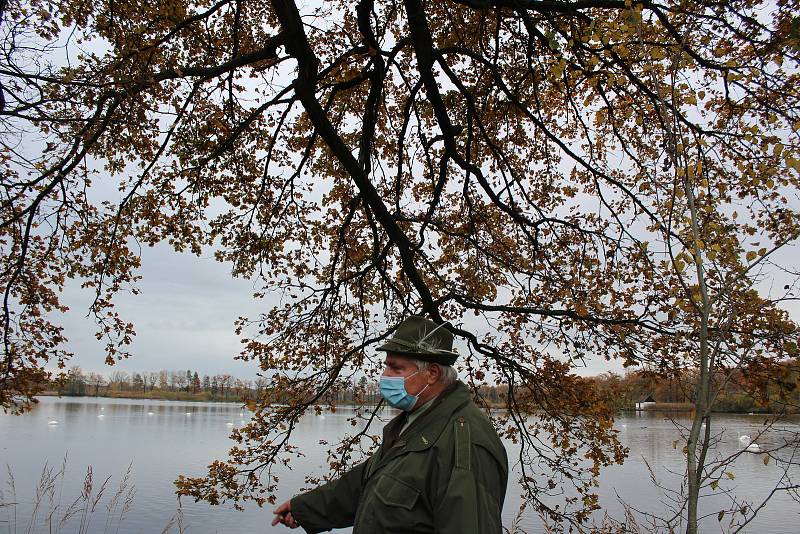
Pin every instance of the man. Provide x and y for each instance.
(441, 466)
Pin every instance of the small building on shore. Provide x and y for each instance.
(646, 403)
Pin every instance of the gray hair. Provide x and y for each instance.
(449, 374)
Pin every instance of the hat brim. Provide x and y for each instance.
(441, 357)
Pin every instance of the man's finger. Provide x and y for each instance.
(281, 516)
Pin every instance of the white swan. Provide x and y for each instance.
(52, 423)
(753, 447)
(744, 438)
(229, 424)
(100, 416)
(149, 413)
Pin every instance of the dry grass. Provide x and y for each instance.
(51, 514)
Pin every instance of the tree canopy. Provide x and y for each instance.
(559, 180)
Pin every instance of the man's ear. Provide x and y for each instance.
(434, 373)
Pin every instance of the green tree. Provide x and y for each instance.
(214, 384)
(75, 382)
(138, 383)
(195, 382)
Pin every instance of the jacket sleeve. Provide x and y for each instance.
(332, 505)
(473, 500)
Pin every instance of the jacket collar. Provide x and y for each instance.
(424, 431)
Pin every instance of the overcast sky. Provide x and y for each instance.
(184, 317)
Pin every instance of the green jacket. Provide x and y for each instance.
(445, 474)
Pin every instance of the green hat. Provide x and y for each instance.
(422, 339)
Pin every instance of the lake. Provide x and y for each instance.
(162, 439)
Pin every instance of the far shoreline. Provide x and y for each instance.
(171, 396)
(674, 407)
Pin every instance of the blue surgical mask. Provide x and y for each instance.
(393, 389)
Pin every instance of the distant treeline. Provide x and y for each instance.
(172, 385)
(191, 385)
(737, 390)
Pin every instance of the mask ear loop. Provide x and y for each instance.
(409, 376)
(423, 389)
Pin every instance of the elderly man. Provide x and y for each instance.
(441, 466)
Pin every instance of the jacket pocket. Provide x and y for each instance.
(393, 492)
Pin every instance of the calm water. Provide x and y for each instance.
(163, 439)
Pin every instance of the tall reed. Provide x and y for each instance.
(51, 514)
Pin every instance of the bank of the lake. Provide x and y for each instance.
(163, 439)
(185, 396)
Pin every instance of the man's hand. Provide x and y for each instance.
(283, 514)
